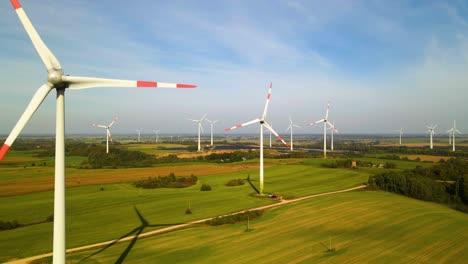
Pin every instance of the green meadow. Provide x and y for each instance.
(361, 227)
(95, 215)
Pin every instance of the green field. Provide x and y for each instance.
(364, 227)
(96, 216)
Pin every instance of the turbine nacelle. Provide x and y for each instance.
(55, 77)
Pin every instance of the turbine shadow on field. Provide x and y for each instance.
(137, 231)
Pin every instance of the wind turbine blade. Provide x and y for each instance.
(194, 120)
(34, 104)
(209, 121)
(201, 127)
(242, 125)
(316, 122)
(328, 109)
(456, 130)
(77, 82)
(289, 127)
(276, 134)
(435, 126)
(290, 120)
(201, 120)
(113, 121)
(101, 126)
(297, 126)
(46, 55)
(267, 102)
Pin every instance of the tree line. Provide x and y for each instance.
(446, 183)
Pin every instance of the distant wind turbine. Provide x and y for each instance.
(290, 127)
(261, 121)
(211, 125)
(139, 133)
(332, 129)
(401, 132)
(156, 135)
(431, 133)
(108, 134)
(325, 123)
(449, 132)
(454, 130)
(200, 128)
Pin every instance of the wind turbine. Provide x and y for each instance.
(454, 129)
(431, 132)
(57, 80)
(108, 136)
(450, 135)
(139, 133)
(332, 129)
(211, 124)
(200, 128)
(401, 132)
(325, 122)
(271, 124)
(290, 127)
(261, 121)
(156, 135)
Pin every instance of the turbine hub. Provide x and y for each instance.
(54, 77)
(262, 121)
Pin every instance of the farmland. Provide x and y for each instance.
(357, 224)
(103, 205)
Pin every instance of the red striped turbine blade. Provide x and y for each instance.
(4, 150)
(16, 4)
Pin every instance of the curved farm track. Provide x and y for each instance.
(180, 226)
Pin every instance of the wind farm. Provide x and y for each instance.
(161, 189)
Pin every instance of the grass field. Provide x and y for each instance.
(96, 216)
(364, 227)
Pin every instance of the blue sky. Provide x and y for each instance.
(383, 64)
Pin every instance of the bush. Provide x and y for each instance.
(170, 181)
(205, 187)
(50, 218)
(235, 182)
(235, 218)
(9, 225)
(188, 211)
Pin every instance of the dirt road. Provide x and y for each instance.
(176, 227)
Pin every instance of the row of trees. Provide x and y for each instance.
(6, 225)
(235, 218)
(348, 163)
(169, 181)
(445, 182)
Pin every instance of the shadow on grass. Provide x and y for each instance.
(135, 232)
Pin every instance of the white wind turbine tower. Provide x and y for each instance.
(325, 123)
(211, 125)
(200, 128)
(139, 133)
(431, 133)
(261, 121)
(290, 127)
(450, 135)
(156, 135)
(57, 80)
(401, 132)
(454, 130)
(332, 129)
(108, 136)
